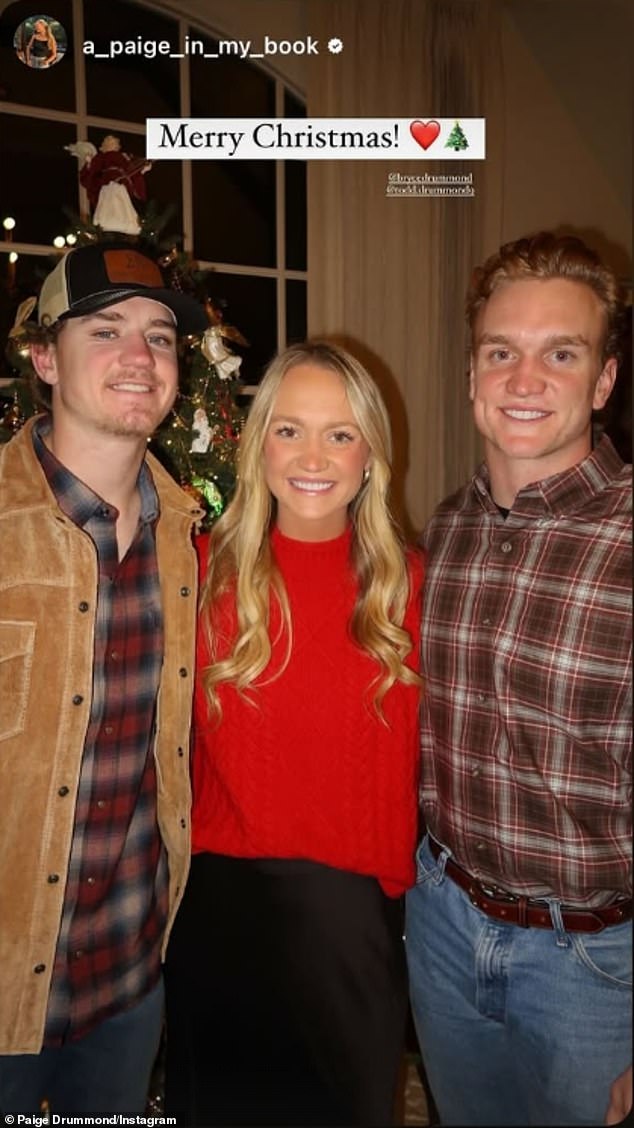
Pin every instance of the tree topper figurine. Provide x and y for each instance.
(112, 180)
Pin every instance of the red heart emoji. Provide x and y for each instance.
(424, 132)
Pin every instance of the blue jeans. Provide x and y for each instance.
(108, 1071)
(517, 1026)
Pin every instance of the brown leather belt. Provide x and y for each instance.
(524, 911)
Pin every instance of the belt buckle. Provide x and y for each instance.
(498, 894)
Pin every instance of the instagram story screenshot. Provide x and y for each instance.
(315, 432)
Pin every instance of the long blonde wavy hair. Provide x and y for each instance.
(240, 558)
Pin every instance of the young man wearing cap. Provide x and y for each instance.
(519, 929)
(97, 624)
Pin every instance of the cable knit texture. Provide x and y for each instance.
(309, 770)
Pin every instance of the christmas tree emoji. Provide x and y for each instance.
(456, 139)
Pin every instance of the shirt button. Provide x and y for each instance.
(114, 654)
(480, 846)
(185, 591)
(83, 606)
(39, 968)
(77, 699)
(53, 878)
(78, 954)
(486, 622)
(62, 791)
(101, 804)
(482, 697)
(182, 672)
(108, 729)
(506, 546)
(90, 881)
(475, 772)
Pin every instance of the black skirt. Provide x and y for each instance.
(286, 996)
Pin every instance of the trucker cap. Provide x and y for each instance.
(91, 278)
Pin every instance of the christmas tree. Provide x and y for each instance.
(198, 441)
(456, 139)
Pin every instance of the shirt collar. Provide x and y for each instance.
(77, 500)
(562, 494)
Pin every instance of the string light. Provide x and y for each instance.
(9, 223)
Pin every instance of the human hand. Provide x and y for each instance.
(620, 1098)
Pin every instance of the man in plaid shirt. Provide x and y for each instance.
(97, 630)
(519, 927)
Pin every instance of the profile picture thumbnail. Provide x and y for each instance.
(40, 42)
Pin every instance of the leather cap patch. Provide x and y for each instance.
(131, 267)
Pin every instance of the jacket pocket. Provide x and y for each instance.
(17, 642)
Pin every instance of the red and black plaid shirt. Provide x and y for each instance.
(526, 766)
(115, 903)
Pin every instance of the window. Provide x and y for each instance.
(243, 220)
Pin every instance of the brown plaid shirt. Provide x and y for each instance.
(115, 901)
(526, 765)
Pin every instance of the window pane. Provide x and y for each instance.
(226, 86)
(251, 305)
(52, 87)
(234, 201)
(295, 181)
(21, 280)
(164, 187)
(129, 86)
(34, 151)
(295, 311)
(234, 211)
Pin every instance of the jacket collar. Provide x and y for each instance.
(24, 483)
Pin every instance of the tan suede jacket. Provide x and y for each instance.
(48, 589)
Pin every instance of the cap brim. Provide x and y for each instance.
(190, 315)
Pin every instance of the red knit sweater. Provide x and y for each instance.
(310, 771)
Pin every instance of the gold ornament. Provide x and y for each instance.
(13, 418)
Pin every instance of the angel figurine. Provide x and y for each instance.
(112, 180)
(214, 350)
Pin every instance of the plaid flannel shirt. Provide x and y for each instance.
(526, 764)
(115, 903)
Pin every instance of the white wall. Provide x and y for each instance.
(566, 150)
(567, 157)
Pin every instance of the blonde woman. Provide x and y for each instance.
(286, 977)
(41, 50)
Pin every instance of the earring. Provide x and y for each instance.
(366, 474)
